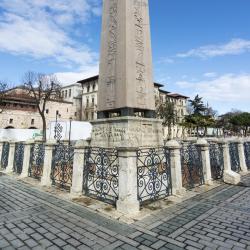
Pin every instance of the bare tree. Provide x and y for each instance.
(42, 88)
(3, 88)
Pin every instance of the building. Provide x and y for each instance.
(18, 110)
(85, 92)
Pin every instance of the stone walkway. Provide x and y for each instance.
(32, 219)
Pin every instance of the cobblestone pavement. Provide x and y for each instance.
(32, 219)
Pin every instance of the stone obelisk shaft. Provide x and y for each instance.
(125, 80)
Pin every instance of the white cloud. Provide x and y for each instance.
(234, 47)
(43, 30)
(66, 78)
(229, 88)
(210, 74)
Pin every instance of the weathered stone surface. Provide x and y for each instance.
(125, 79)
(231, 177)
(127, 132)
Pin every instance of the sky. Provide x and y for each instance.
(199, 47)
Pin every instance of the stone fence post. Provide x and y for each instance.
(205, 157)
(48, 157)
(26, 159)
(78, 167)
(128, 201)
(175, 163)
(9, 168)
(229, 176)
(242, 157)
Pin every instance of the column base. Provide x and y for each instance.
(128, 207)
(209, 182)
(231, 177)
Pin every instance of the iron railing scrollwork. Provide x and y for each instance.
(216, 160)
(62, 165)
(153, 174)
(5, 155)
(37, 153)
(18, 157)
(192, 168)
(247, 153)
(101, 174)
(234, 157)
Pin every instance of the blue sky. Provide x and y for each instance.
(198, 46)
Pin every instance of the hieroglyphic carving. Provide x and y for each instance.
(112, 53)
(139, 50)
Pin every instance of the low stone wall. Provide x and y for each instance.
(127, 177)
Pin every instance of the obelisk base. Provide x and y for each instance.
(127, 132)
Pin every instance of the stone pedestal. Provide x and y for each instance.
(175, 162)
(204, 146)
(242, 157)
(128, 202)
(78, 166)
(26, 159)
(127, 132)
(10, 167)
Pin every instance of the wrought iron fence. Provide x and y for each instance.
(216, 160)
(153, 174)
(36, 161)
(101, 174)
(247, 153)
(234, 157)
(62, 165)
(5, 155)
(192, 168)
(18, 157)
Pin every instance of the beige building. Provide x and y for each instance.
(18, 110)
(84, 95)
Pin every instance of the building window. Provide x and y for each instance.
(66, 93)
(32, 121)
(62, 94)
(75, 114)
(69, 92)
(93, 101)
(87, 104)
(11, 121)
(47, 111)
(92, 115)
(88, 88)
(94, 87)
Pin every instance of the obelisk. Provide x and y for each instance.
(125, 78)
(126, 101)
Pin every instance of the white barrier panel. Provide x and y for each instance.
(19, 134)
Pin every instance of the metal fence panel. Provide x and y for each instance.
(36, 161)
(234, 157)
(192, 169)
(18, 158)
(62, 166)
(101, 174)
(5, 155)
(216, 160)
(153, 174)
(247, 153)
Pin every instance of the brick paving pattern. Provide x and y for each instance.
(32, 219)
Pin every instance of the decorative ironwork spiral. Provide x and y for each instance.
(36, 161)
(5, 155)
(234, 157)
(216, 160)
(247, 153)
(18, 158)
(62, 165)
(192, 169)
(153, 174)
(101, 173)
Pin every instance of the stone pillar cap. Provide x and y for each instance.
(173, 144)
(201, 141)
(81, 144)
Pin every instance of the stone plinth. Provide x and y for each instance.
(127, 132)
